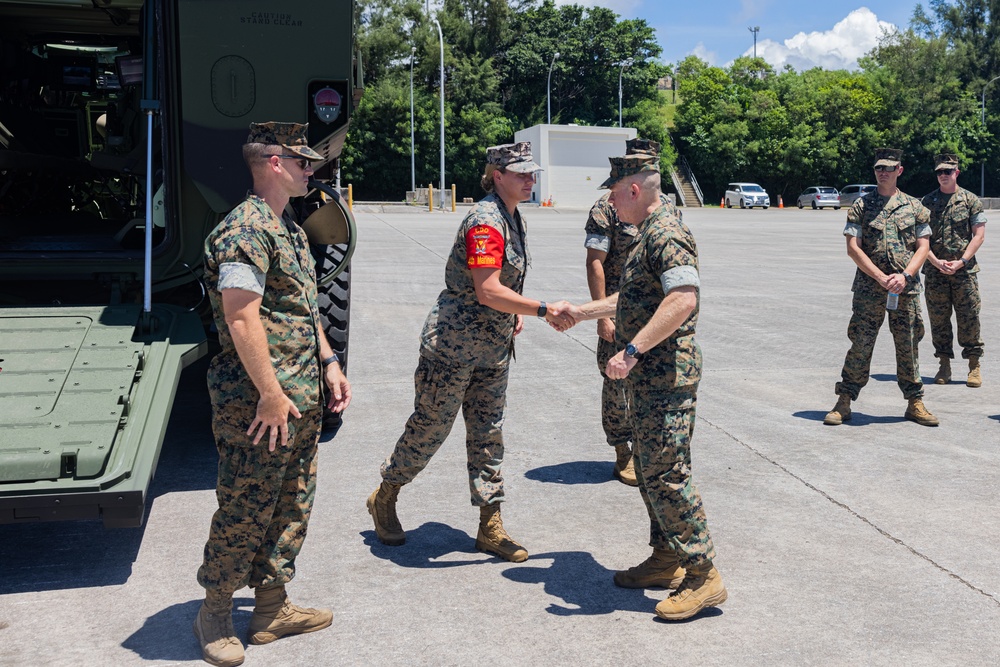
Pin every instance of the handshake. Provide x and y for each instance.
(563, 315)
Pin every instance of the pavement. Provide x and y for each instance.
(871, 543)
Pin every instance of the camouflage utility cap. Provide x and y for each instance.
(290, 136)
(945, 161)
(888, 157)
(629, 165)
(642, 147)
(513, 157)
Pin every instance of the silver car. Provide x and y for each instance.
(819, 196)
(851, 192)
(746, 195)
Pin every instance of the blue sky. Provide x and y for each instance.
(831, 34)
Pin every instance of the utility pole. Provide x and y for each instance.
(754, 30)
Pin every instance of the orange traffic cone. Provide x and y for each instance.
(722, 203)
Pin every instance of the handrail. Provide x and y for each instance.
(689, 173)
(677, 185)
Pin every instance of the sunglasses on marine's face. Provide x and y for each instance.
(945, 172)
(883, 167)
(301, 161)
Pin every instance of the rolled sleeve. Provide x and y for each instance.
(922, 231)
(978, 219)
(680, 276)
(851, 229)
(597, 242)
(241, 276)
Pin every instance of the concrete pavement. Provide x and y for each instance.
(870, 543)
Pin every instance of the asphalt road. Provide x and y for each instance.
(871, 543)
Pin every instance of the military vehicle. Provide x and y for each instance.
(121, 123)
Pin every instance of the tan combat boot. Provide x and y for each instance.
(841, 411)
(662, 569)
(625, 466)
(916, 412)
(213, 626)
(493, 539)
(975, 379)
(944, 373)
(702, 588)
(274, 617)
(382, 507)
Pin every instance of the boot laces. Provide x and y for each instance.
(387, 515)
(220, 629)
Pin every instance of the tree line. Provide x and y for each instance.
(919, 89)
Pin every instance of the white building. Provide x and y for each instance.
(575, 160)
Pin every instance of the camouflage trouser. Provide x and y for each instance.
(264, 501)
(614, 404)
(664, 426)
(907, 329)
(961, 292)
(441, 389)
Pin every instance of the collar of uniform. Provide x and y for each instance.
(280, 224)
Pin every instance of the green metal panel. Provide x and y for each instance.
(85, 395)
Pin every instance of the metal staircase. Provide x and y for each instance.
(686, 184)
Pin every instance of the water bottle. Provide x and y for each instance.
(891, 301)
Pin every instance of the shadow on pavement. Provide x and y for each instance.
(167, 635)
(426, 546)
(857, 418)
(574, 472)
(585, 586)
(66, 554)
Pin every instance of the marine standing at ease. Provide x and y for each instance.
(887, 236)
(266, 387)
(609, 241)
(958, 229)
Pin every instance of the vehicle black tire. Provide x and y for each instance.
(799, 204)
(334, 302)
(742, 204)
(729, 204)
(836, 208)
(764, 207)
(814, 206)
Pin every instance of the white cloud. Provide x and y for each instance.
(700, 50)
(838, 48)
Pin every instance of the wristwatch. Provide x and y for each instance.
(908, 277)
(542, 309)
(632, 351)
(329, 360)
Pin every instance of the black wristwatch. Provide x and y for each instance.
(908, 277)
(329, 360)
(632, 351)
(542, 309)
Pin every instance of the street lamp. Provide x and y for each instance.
(413, 157)
(982, 166)
(441, 40)
(754, 30)
(548, 87)
(625, 63)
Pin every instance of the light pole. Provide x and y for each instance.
(982, 165)
(413, 156)
(548, 87)
(625, 63)
(754, 30)
(441, 40)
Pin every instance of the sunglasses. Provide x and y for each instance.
(302, 162)
(882, 167)
(945, 172)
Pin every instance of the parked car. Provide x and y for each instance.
(819, 196)
(747, 195)
(852, 192)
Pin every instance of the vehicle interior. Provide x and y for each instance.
(72, 134)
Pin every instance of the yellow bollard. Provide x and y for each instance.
(350, 197)
(430, 197)
(453, 209)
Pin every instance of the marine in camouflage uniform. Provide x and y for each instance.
(887, 233)
(958, 227)
(265, 493)
(465, 352)
(608, 243)
(661, 376)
